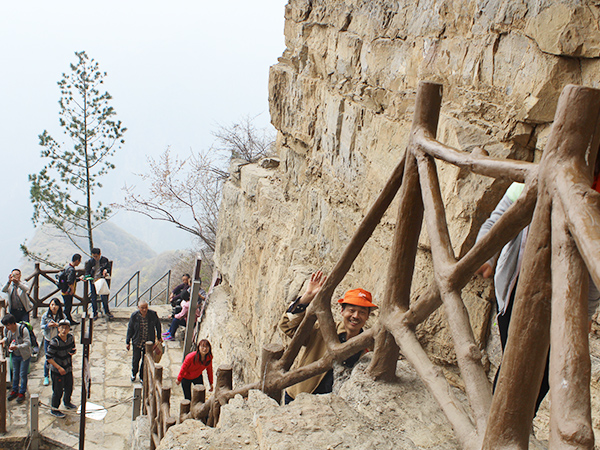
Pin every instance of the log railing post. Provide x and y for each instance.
(165, 409)
(198, 394)
(184, 410)
(570, 366)
(137, 401)
(199, 409)
(34, 428)
(270, 355)
(36, 289)
(224, 384)
(574, 136)
(406, 237)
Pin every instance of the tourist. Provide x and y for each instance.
(176, 295)
(144, 326)
(70, 281)
(19, 304)
(60, 352)
(193, 365)
(49, 326)
(95, 269)
(356, 308)
(505, 267)
(180, 319)
(20, 349)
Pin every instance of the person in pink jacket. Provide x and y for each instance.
(193, 365)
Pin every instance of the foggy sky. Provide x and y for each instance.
(175, 69)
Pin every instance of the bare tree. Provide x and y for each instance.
(187, 192)
(243, 140)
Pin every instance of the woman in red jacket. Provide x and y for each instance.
(193, 366)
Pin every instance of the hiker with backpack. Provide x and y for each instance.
(49, 326)
(66, 283)
(19, 304)
(19, 345)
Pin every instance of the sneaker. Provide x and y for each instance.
(168, 337)
(20, 398)
(95, 316)
(46, 381)
(70, 406)
(109, 316)
(166, 333)
(12, 396)
(57, 413)
(132, 378)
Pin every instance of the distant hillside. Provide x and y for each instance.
(128, 253)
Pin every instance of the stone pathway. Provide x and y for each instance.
(111, 385)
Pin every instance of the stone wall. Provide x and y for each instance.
(341, 98)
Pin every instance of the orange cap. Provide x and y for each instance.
(358, 297)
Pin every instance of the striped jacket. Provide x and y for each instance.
(60, 351)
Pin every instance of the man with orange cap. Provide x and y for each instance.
(356, 308)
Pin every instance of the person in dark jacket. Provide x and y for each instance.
(97, 267)
(60, 351)
(144, 326)
(177, 294)
(70, 272)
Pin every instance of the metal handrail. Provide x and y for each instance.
(115, 298)
(163, 291)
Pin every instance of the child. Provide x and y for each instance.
(194, 364)
(20, 348)
(60, 351)
(50, 329)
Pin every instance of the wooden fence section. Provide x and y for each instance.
(550, 303)
(157, 399)
(43, 301)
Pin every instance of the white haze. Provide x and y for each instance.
(176, 69)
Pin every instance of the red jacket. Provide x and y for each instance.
(192, 368)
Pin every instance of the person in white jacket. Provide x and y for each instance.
(505, 267)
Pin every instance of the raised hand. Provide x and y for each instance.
(313, 287)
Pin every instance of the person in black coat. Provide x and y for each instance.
(97, 267)
(144, 326)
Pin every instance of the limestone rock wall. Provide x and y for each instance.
(342, 97)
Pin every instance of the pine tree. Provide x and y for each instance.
(62, 192)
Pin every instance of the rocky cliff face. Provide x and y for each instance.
(341, 98)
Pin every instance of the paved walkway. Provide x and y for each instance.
(111, 385)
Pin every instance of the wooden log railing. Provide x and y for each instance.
(563, 214)
(156, 398)
(40, 300)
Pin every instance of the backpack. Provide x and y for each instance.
(32, 338)
(62, 281)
